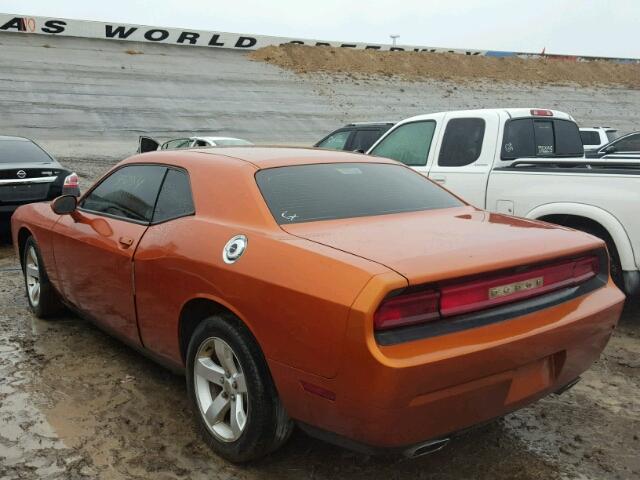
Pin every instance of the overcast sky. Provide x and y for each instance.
(588, 27)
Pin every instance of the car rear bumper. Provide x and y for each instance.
(399, 396)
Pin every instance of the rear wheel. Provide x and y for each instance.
(43, 299)
(235, 401)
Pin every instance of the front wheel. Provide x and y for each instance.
(43, 299)
(231, 390)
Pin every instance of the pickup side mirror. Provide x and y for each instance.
(64, 205)
(609, 149)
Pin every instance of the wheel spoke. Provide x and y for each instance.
(241, 385)
(225, 356)
(207, 369)
(33, 271)
(36, 293)
(237, 417)
(217, 410)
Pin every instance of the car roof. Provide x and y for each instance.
(369, 124)
(8, 137)
(512, 112)
(259, 157)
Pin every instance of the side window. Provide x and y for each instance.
(544, 137)
(590, 137)
(175, 144)
(628, 144)
(409, 143)
(462, 142)
(363, 139)
(175, 198)
(129, 192)
(336, 141)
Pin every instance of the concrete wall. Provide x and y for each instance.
(90, 98)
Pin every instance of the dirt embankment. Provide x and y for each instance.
(446, 66)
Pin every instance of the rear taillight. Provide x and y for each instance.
(71, 181)
(471, 296)
(407, 309)
(537, 112)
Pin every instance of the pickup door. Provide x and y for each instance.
(455, 149)
(465, 153)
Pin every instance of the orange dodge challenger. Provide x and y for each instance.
(347, 294)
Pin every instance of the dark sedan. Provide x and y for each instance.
(29, 174)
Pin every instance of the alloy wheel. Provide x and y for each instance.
(221, 390)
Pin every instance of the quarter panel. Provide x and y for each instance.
(294, 295)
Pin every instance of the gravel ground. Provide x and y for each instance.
(75, 403)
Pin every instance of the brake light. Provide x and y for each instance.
(71, 181)
(475, 295)
(408, 309)
(537, 112)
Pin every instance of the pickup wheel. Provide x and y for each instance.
(42, 297)
(614, 258)
(236, 404)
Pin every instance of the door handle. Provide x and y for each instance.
(126, 242)
(439, 179)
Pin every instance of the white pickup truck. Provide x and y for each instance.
(528, 163)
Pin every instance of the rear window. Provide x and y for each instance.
(22, 151)
(612, 135)
(307, 193)
(590, 138)
(529, 137)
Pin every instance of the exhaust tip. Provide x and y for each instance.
(568, 386)
(426, 448)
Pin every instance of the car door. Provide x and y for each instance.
(147, 144)
(466, 153)
(94, 246)
(409, 143)
(159, 260)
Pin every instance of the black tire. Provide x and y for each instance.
(267, 423)
(614, 259)
(48, 302)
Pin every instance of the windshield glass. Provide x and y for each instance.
(307, 193)
(22, 151)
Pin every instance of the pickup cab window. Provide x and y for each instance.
(528, 137)
(409, 143)
(462, 142)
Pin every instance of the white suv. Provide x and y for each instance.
(595, 137)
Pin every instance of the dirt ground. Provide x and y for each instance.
(75, 403)
(446, 66)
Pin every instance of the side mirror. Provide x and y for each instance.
(64, 205)
(609, 149)
(359, 150)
